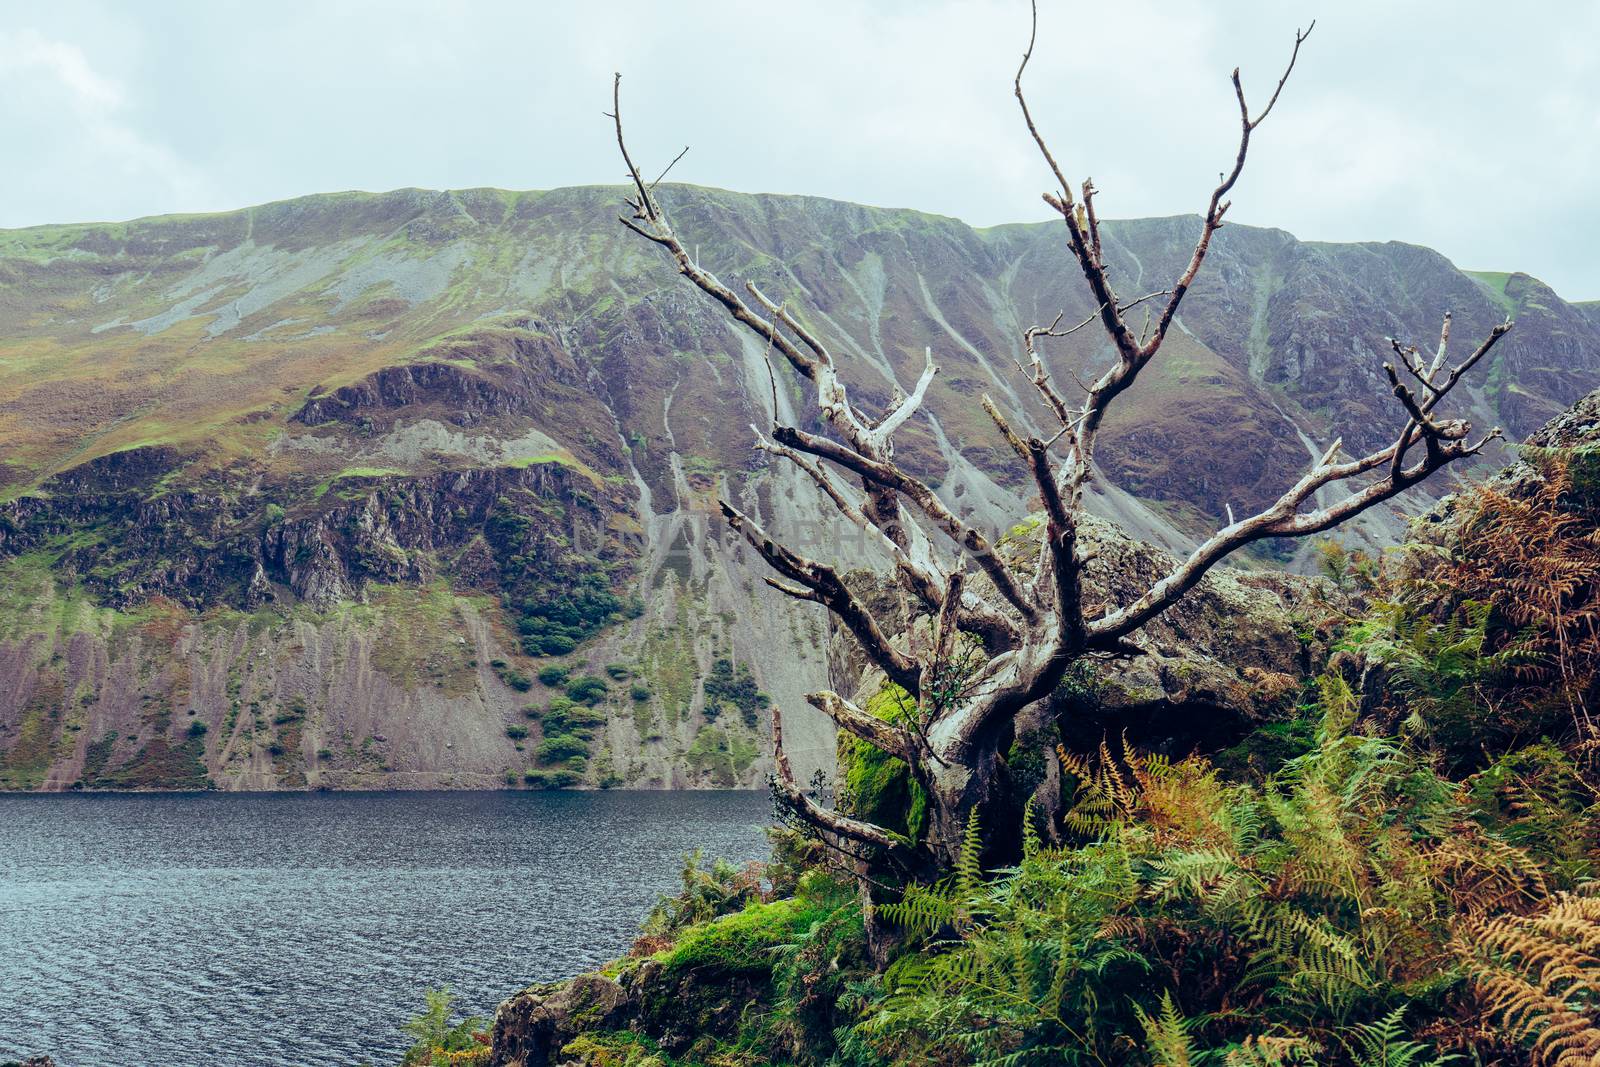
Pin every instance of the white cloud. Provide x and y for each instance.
(1400, 121)
(27, 53)
(78, 136)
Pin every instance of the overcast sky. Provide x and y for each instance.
(1469, 126)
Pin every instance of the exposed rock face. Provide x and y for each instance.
(1577, 427)
(128, 542)
(1230, 655)
(675, 1007)
(307, 414)
(531, 1028)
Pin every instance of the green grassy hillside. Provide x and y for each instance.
(505, 397)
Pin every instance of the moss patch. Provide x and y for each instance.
(724, 757)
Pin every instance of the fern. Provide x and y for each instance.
(1540, 977)
(969, 872)
(1523, 565)
(1273, 1051)
(1302, 921)
(1031, 842)
(923, 910)
(1166, 1035)
(1384, 1044)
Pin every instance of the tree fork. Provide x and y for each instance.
(963, 699)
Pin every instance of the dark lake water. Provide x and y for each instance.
(290, 929)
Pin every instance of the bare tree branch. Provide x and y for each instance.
(1218, 207)
(1419, 427)
(879, 733)
(829, 590)
(1085, 247)
(1031, 633)
(1083, 239)
(1444, 442)
(921, 578)
(970, 538)
(825, 819)
(668, 169)
(896, 416)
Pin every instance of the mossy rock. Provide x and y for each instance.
(744, 940)
(1267, 748)
(878, 786)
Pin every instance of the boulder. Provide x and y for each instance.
(677, 1007)
(532, 1027)
(1230, 655)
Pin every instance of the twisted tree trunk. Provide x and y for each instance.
(969, 663)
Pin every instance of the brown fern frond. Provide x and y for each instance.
(1539, 977)
(1271, 1051)
(1483, 875)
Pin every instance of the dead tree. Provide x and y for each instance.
(1028, 625)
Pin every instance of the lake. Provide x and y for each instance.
(236, 929)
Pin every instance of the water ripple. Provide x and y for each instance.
(261, 930)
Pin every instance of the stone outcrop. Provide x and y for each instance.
(1229, 656)
(128, 542)
(674, 1007)
(532, 1027)
(1576, 428)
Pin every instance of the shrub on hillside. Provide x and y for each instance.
(587, 690)
(558, 747)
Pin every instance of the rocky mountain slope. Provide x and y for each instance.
(308, 494)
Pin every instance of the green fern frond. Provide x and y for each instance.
(1030, 832)
(1385, 1044)
(969, 869)
(1166, 1035)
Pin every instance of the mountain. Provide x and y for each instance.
(308, 494)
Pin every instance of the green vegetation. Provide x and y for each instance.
(1401, 875)
(877, 786)
(415, 643)
(549, 457)
(37, 743)
(158, 764)
(569, 730)
(565, 716)
(733, 687)
(355, 473)
(511, 676)
(669, 659)
(746, 939)
(587, 690)
(552, 778)
(553, 616)
(1335, 913)
(439, 1042)
(1495, 282)
(721, 756)
(558, 748)
(1332, 893)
